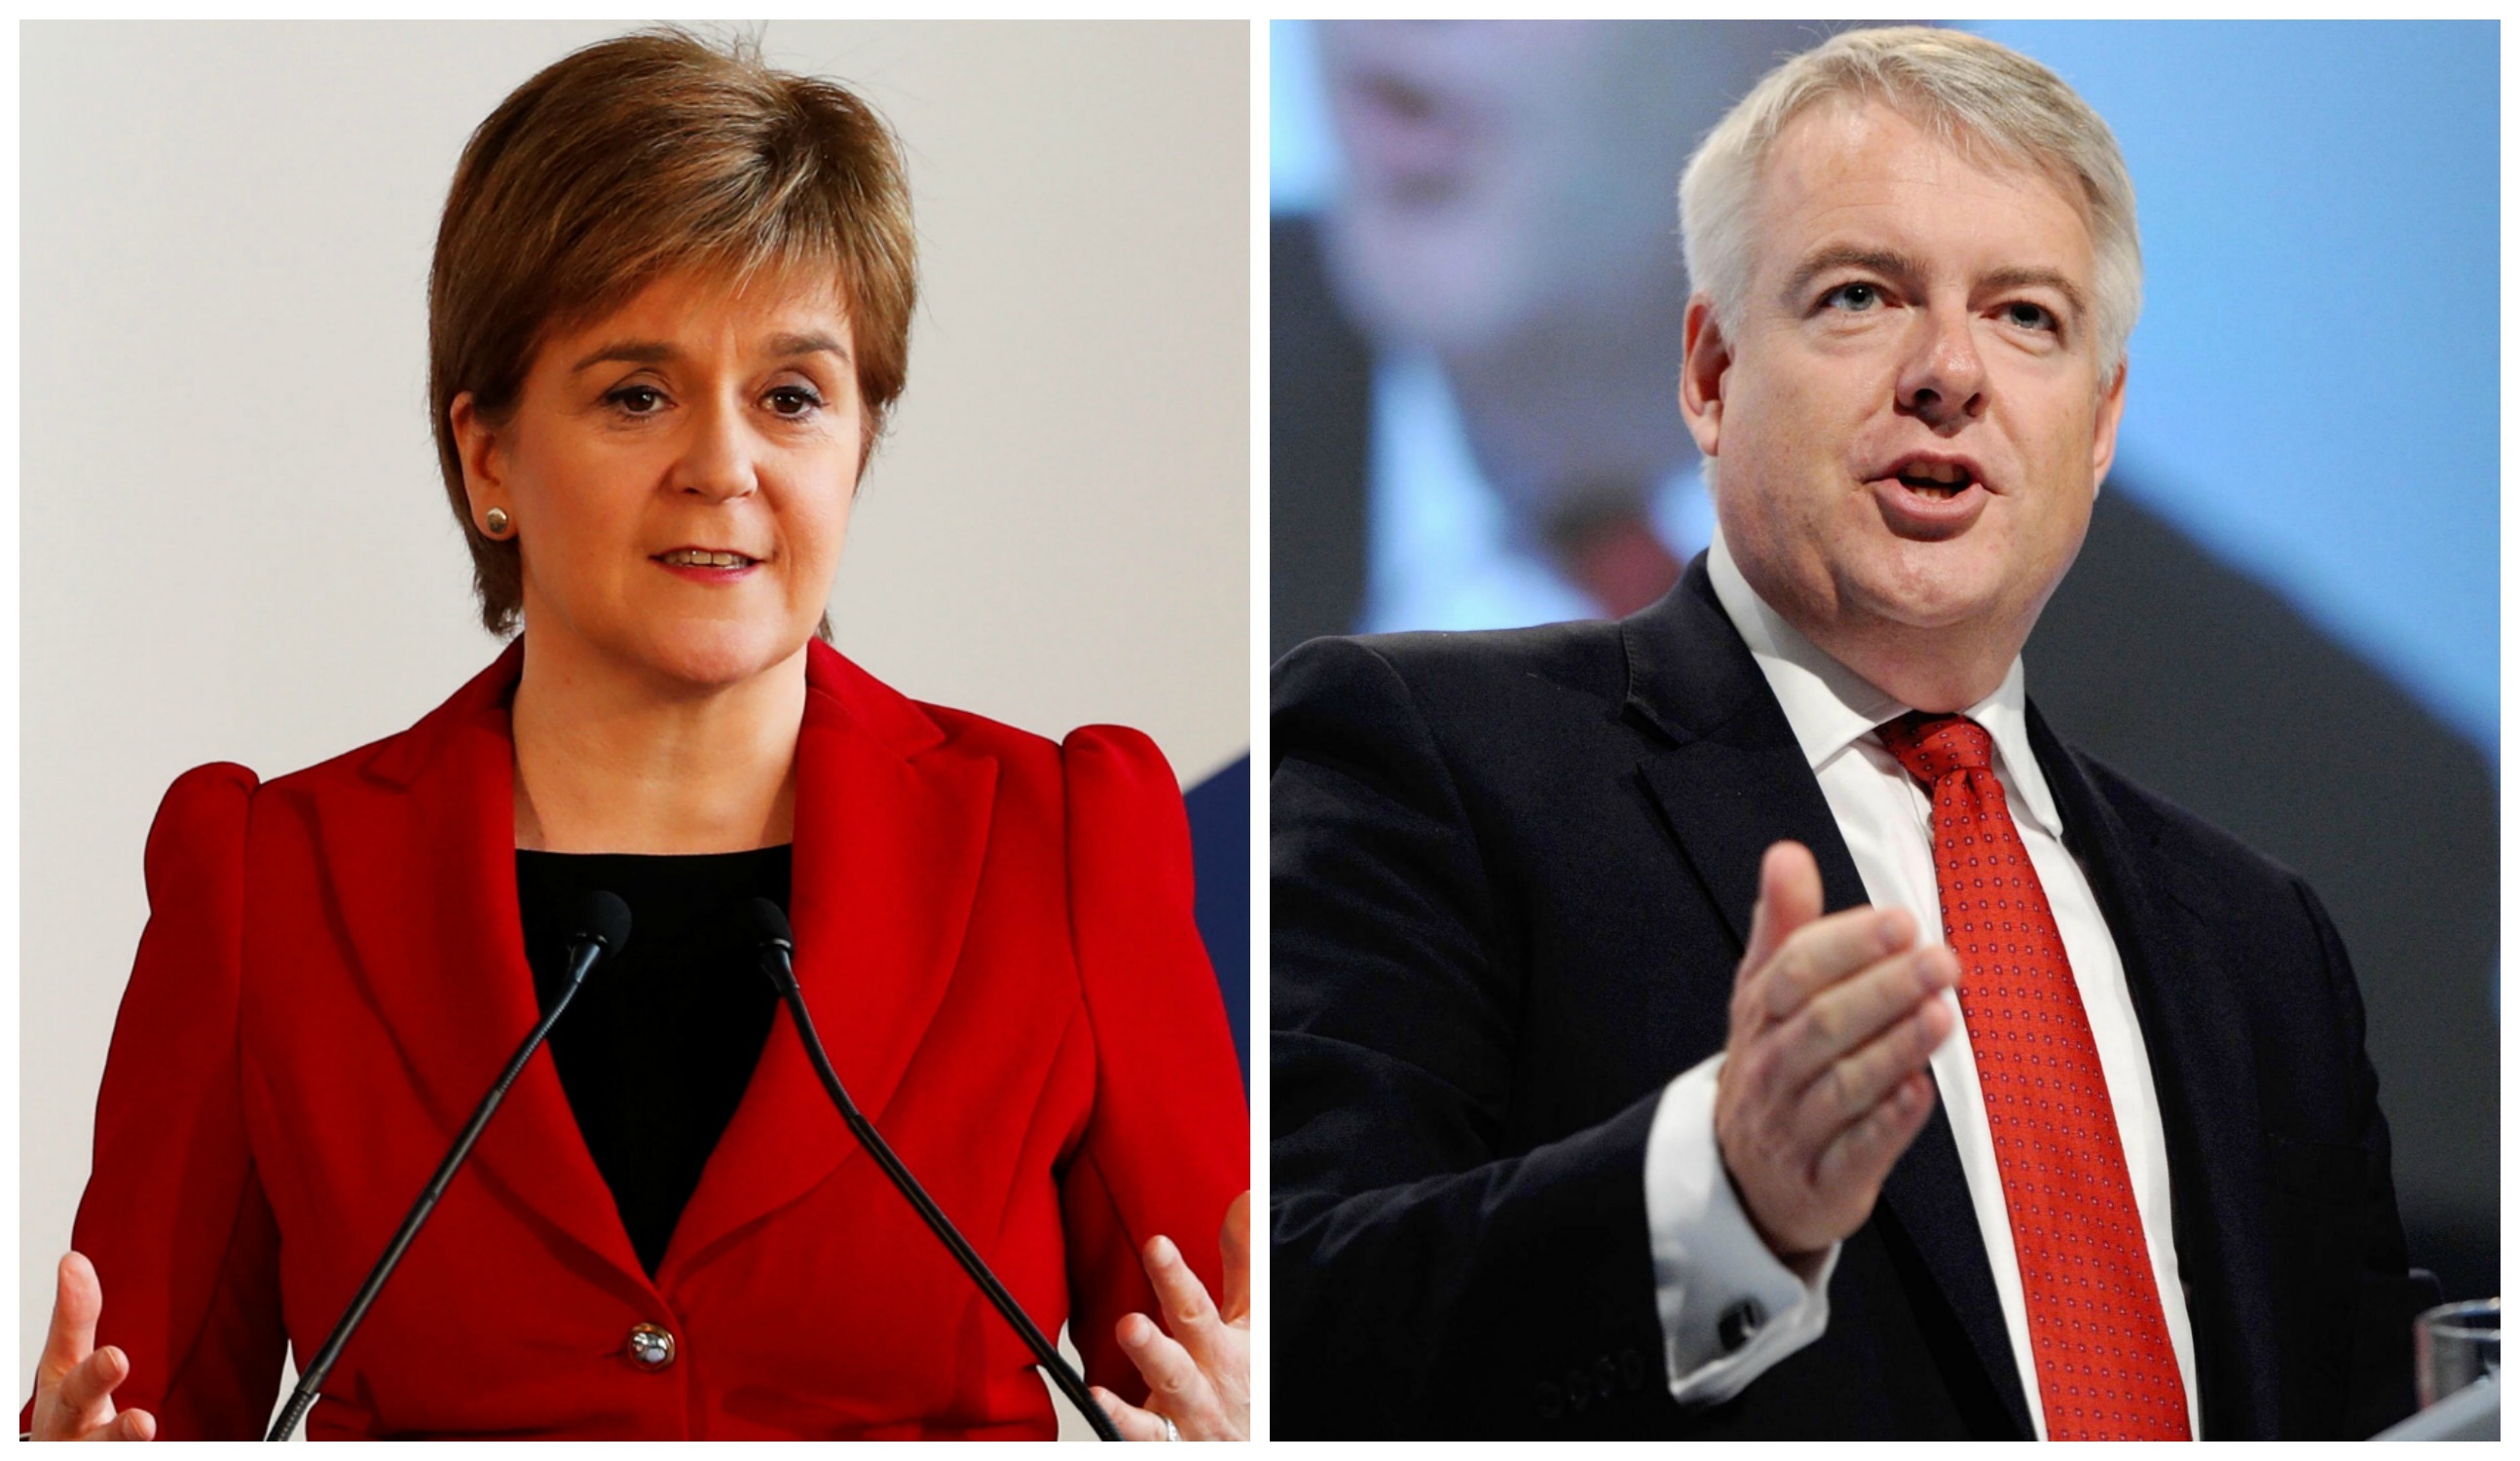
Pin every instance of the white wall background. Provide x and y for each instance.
(233, 544)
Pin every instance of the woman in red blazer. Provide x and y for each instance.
(657, 372)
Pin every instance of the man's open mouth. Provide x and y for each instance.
(1931, 497)
(1939, 479)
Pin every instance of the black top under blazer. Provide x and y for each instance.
(1511, 874)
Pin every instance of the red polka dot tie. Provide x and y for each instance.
(2106, 1371)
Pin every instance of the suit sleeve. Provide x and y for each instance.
(1426, 1278)
(1167, 1148)
(183, 1243)
(2380, 1375)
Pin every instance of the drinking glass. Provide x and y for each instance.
(2456, 1345)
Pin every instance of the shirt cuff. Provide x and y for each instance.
(1730, 1309)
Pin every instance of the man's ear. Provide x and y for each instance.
(476, 447)
(2104, 427)
(1706, 356)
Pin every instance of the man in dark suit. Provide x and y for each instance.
(2174, 666)
(1588, 1120)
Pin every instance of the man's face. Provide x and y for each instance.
(1911, 424)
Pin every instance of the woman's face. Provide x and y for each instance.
(678, 478)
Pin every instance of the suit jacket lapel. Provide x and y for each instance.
(424, 874)
(890, 833)
(2196, 1039)
(889, 848)
(1735, 781)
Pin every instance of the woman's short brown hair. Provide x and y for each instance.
(638, 157)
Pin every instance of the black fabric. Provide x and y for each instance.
(656, 1049)
(1512, 874)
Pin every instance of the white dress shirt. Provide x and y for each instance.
(1442, 550)
(1707, 1257)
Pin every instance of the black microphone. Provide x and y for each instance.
(768, 928)
(602, 927)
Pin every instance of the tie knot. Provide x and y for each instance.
(1933, 746)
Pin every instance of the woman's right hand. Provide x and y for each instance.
(75, 1381)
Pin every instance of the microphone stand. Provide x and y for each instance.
(584, 951)
(778, 962)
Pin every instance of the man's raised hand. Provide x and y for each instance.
(1825, 1079)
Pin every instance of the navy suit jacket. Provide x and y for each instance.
(1512, 876)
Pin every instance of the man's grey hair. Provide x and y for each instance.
(1995, 105)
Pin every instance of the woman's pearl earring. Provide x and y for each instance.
(495, 521)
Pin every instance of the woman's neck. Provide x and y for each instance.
(610, 760)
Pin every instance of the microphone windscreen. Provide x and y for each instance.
(763, 923)
(606, 919)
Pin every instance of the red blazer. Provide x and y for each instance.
(993, 932)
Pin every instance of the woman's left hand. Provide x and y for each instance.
(1200, 1374)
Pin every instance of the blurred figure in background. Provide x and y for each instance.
(1506, 452)
(1476, 343)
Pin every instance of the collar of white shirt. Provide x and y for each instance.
(1830, 707)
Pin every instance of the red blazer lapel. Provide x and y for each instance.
(425, 872)
(890, 833)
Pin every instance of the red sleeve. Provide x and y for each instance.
(1169, 1144)
(184, 1243)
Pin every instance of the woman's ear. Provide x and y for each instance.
(476, 448)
